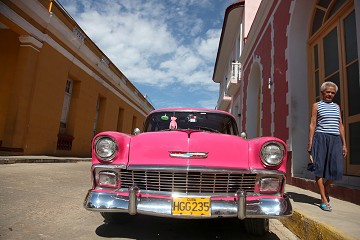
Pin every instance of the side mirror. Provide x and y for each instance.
(243, 135)
(136, 131)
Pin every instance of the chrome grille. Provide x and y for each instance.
(187, 182)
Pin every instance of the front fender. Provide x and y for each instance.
(123, 144)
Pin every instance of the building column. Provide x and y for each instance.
(17, 121)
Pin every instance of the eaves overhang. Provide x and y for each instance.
(232, 19)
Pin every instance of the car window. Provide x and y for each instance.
(205, 121)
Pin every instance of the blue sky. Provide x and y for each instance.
(166, 48)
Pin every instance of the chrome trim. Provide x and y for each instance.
(241, 204)
(167, 176)
(205, 169)
(170, 194)
(133, 191)
(181, 154)
(187, 182)
(188, 168)
(241, 208)
(112, 167)
(268, 172)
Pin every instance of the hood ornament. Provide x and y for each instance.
(180, 154)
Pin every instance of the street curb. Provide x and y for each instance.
(12, 160)
(307, 228)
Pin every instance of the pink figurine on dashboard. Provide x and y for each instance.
(173, 124)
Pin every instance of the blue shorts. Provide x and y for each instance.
(327, 154)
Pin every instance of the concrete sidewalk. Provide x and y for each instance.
(310, 222)
(307, 222)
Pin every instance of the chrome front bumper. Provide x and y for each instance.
(240, 207)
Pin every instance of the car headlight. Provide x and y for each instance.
(272, 153)
(105, 148)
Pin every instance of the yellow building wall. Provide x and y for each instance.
(9, 45)
(47, 103)
(32, 89)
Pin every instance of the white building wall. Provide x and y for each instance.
(297, 74)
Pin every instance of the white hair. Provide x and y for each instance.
(328, 84)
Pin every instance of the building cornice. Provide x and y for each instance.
(29, 41)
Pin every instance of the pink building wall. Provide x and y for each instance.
(275, 47)
(270, 48)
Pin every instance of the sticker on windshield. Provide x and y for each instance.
(192, 118)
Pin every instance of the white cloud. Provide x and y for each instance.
(207, 47)
(209, 103)
(183, 61)
(154, 43)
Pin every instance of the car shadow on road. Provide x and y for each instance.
(145, 227)
(298, 197)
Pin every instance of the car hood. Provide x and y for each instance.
(189, 148)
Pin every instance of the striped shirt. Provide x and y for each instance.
(328, 118)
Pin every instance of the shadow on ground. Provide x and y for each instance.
(298, 197)
(145, 227)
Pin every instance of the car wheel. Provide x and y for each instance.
(257, 226)
(111, 217)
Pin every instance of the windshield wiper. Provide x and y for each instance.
(207, 129)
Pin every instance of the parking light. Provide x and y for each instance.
(107, 179)
(269, 185)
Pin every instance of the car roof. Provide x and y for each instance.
(190, 110)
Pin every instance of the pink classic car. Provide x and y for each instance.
(189, 163)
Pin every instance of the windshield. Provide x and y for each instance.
(206, 121)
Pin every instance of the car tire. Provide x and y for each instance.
(257, 226)
(115, 217)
